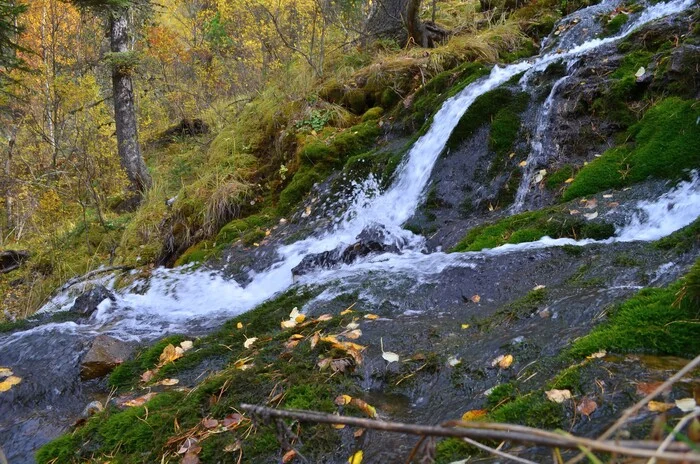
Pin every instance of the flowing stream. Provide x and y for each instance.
(187, 300)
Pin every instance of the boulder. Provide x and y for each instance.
(87, 303)
(12, 259)
(372, 240)
(104, 355)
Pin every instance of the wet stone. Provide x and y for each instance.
(87, 303)
(104, 355)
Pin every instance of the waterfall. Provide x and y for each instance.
(195, 300)
(178, 298)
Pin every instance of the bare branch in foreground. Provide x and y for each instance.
(492, 431)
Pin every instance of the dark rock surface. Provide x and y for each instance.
(104, 355)
(373, 240)
(87, 303)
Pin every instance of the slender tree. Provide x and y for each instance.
(116, 14)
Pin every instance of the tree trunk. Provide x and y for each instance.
(124, 108)
(400, 20)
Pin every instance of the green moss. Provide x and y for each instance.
(389, 98)
(356, 101)
(625, 260)
(573, 250)
(373, 114)
(666, 142)
(532, 410)
(518, 309)
(140, 434)
(127, 373)
(309, 397)
(558, 177)
(318, 159)
(501, 394)
(444, 85)
(681, 240)
(569, 379)
(531, 226)
(452, 450)
(614, 25)
(301, 184)
(502, 108)
(651, 321)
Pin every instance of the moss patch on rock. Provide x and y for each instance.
(656, 320)
(501, 107)
(531, 226)
(664, 144)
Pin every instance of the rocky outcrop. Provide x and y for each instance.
(87, 303)
(104, 355)
(12, 259)
(369, 241)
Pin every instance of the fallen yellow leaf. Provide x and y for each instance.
(330, 339)
(569, 180)
(239, 326)
(243, 363)
(660, 406)
(342, 400)
(288, 324)
(465, 326)
(147, 376)
(365, 407)
(597, 354)
(289, 456)
(186, 345)
(353, 334)
(389, 356)
(169, 382)
(356, 458)
(5, 372)
(324, 318)
(314, 340)
(170, 354)
(9, 382)
(475, 298)
(522, 164)
(249, 342)
(371, 317)
(346, 311)
(474, 414)
(503, 361)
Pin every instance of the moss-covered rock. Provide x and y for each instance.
(664, 144)
(531, 226)
(499, 107)
(656, 320)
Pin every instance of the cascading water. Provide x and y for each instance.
(194, 300)
(539, 147)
